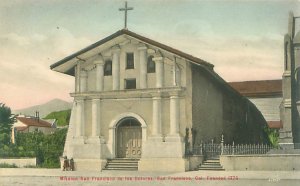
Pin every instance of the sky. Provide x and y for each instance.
(243, 39)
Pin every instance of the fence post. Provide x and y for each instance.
(222, 144)
(233, 148)
(201, 148)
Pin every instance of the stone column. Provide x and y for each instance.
(99, 74)
(174, 135)
(83, 81)
(95, 117)
(143, 66)
(79, 132)
(159, 69)
(77, 77)
(176, 74)
(156, 125)
(174, 115)
(116, 67)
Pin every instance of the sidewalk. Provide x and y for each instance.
(34, 176)
(239, 174)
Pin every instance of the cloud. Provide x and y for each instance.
(13, 38)
(193, 28)
(25, 73)
(235, 58)
(27, 79)
(64, 43)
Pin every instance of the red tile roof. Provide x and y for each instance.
(274, 124)
(264, 88)
(34, 122)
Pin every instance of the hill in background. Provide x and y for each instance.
(62, 117)
(46, 108)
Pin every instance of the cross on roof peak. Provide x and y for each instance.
(125, 12)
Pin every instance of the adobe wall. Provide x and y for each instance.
(206, 107)
(20, 162)
(218, 110)
(273, 162)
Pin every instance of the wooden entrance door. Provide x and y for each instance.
(129, 139)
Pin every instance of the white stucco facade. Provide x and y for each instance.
(128, 87)
(101, 101)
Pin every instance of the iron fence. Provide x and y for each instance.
(214, 150)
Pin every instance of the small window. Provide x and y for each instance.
(130, 84)
(108, 68)
(150, 65)
(129, 61)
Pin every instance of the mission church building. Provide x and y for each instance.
(136, 98)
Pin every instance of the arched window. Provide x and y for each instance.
(108, 68)
(150, 65)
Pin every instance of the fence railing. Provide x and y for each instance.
(245, 149)
(212, 150)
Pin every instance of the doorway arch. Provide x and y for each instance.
(129, 138)
(112, 139)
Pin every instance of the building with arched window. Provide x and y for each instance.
(138, 99)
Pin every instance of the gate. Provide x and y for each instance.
(211, 150)
(208, 150)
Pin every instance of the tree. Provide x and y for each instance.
(62, 117)
(6, 121)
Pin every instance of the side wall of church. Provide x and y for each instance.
(207, 107)
(218, 111)
(242, 121)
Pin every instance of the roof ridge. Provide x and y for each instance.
(139, 37)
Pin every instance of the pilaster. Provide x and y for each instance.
(116, 67)
(96, 117)
(143, 66)
(99, 74)
(79, 129)
(174, 117)
(157, 118)
(77, 77)
(159, 69)
(83, 81)
(176, 74)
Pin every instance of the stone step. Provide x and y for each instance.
(121, 164)
(203, 165)
(122, 161)
(212, 160)
(126, 163)
(211, 163)
(121, 168)
(210, 169)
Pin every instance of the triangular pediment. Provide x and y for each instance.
(121, 38)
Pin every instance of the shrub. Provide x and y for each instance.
(30, 166)
(6, 165)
